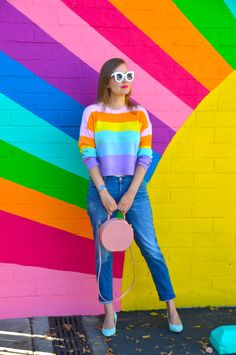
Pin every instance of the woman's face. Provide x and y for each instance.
(122, 88)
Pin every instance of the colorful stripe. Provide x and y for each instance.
(37, 285)
(101, 126)
(117, 143)
(61, 213)
(46, 102)
(116, 149)
(49, 73)
(178, 37)
(147, 59)
(37, 137)
(113, 137)
(232, 6)
(43, 246)
(70, 120)
(165, 103)
(66, 64)
(210, 17)
(114, 164)
(63, 187)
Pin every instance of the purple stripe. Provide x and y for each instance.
(58, 66)
(117, 164)
(25, 42)
(144, 160)
(90, 162)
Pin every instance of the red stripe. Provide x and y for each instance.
(114, 26)
(30, 243)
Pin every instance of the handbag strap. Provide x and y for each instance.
(99, 271)
(109, 216)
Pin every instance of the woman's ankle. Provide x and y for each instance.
(108, 308)
(170, 305)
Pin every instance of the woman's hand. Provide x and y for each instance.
(108, 201)
(126, 201)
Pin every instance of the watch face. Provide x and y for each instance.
(102, 187)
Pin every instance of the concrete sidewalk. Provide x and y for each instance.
(147, 332)
(143, 332)
(25, 336)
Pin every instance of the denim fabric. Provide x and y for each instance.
(140, 216)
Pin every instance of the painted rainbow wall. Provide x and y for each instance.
(184, 57)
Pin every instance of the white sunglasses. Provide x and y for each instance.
(119, 76)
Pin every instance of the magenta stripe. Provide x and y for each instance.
(27, 242)
(60, 70)
(104, 17)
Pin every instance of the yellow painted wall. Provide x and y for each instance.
(193, 195)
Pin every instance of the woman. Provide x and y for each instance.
(115, 144)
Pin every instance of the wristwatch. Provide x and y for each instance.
(102, 187)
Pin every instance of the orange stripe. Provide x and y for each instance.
(146, 141)
(123, 117)
(178, 37)
(90, 123)
(86, 141)
(38, 207)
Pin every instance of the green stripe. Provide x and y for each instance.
(34, 173)
(215, 22)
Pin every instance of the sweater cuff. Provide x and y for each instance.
(144, 160)
(90, 162)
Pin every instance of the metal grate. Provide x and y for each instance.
(69, 336)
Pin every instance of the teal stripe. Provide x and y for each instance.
(116, 137)
(231, 5)
(145, 151)
(89, 152)
(124, 148)
(37, 137)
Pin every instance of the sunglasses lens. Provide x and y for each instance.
(119, 77)
(129, 76)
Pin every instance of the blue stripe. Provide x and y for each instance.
(41, 98)
(231, 5)
(117, 149)
(117, 137)
(89, 152)
(155, 160)
(53, 106)
(37, 137)
(145, 151)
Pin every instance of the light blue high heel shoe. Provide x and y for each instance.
(108, 332)
(176, 328)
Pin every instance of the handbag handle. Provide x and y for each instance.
(100, 266)
(109, 216)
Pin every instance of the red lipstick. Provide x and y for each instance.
(124, 86)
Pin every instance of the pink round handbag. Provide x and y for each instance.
(115, 234)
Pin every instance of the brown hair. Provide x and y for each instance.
(103, 91)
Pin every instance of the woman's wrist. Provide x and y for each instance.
(132, 191)
(101, 188)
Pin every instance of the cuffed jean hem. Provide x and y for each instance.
(165, 299)
(105, 302)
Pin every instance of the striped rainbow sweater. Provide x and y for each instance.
(115, 140)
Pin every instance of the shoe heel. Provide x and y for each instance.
(108, 332)
(175, 328)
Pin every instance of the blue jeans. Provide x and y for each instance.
(140, 216)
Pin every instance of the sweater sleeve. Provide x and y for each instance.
(145, 153)
(86, 141)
